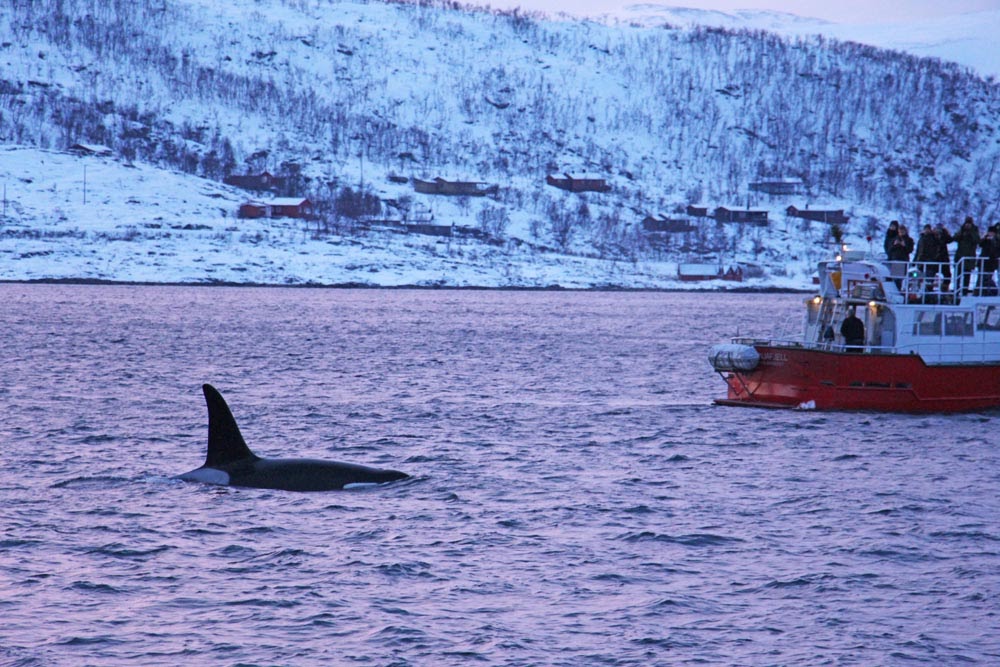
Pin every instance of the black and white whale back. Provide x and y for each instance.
(230, 462)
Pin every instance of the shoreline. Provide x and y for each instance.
(100, 282)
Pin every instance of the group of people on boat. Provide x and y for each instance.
(932, 250)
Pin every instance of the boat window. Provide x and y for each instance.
(958, 324)
(988, 318)
(926, 323)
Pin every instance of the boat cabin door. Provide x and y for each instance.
(880, 327)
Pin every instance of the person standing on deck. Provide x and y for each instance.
(967, 238)
(902, 246)
(891, 235)
(944, 259)
(989, 252)
(853, 331)
(928, 251)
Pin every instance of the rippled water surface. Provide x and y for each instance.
(575, 499)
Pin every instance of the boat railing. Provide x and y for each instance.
(944, 282)
(966, 350)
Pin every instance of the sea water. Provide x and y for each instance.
(575, 499)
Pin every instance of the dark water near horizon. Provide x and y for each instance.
(575, 499)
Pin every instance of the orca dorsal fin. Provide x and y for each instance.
(225, 442)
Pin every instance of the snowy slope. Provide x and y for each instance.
(83, 217)
(342, 96)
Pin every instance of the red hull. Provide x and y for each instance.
(790, 377)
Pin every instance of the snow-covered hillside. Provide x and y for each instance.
(338, 98)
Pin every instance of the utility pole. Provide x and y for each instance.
(84, 185)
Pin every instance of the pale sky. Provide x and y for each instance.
(839, 11)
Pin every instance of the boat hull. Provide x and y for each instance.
(790, 377)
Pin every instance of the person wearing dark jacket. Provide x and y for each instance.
(944, 259)
(901, 247)
(899, 251)
(929, 256)
(891, 235)
(853, 331)
(927, 249)
(989, 252)
(967, 238)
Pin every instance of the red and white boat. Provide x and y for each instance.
(929, 344)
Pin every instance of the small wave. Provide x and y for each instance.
(811, 424)
(336, 508)
(199, 532)
(23, 662)
(669, 603)
(284, 557)
(903, 556)
(326, 619)
(396, 611)
(689, 540)
(99, 511)
(90, 587)
(421, 458)
(975, 535)
(96, 439)
(267, 604)
(467, 655)
(660, 643)
(366, 535)
(808, 580)
(237, 550)
(88, 482)
(888, 511)
(14, 544)
(398, 636)
(117, 550)
(405, 569)
(90, 641)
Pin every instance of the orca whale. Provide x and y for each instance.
(230, 462)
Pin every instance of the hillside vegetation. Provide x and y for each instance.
(341, 97)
